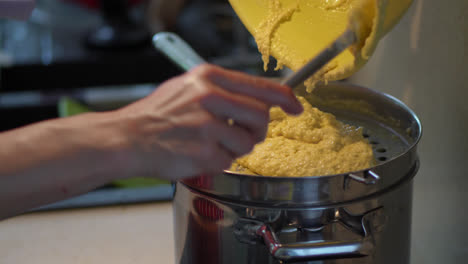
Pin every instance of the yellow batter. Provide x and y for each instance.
(294, 31)
(312, 144)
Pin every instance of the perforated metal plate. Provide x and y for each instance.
(388, 124)
(386, 142)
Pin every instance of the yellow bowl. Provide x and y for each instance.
(294, 31)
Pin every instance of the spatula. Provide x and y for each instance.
(179, 52)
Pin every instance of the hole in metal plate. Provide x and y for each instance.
(382, 158)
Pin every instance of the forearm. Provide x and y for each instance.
(57, 159)
(178, 131)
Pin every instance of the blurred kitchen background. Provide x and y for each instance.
(99, 54)
(99, 51)
(74, 56)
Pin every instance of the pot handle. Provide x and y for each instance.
(252, 231)
(314, 250)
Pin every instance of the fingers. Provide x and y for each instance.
(222, 144)
(246, 112)
(264, 90)
(213, 158)
(235, 140)
(200, 103)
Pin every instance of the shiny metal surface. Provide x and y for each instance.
(207, 231)
(359, 217)
(306, 250)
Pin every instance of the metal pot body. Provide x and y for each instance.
(356, 217)
(209, 230)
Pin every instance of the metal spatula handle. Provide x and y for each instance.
(330, 52)
(177, 50)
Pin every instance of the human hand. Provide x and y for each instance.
(182, 129)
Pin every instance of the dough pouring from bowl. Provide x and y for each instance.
(294, 31)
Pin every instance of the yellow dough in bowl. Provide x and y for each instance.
(311, 144)
(294, 31)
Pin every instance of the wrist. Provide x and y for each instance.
(110, 143)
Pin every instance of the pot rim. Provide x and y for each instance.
(383, 95)
(313, 191)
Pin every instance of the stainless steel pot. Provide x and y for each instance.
(358, 217)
